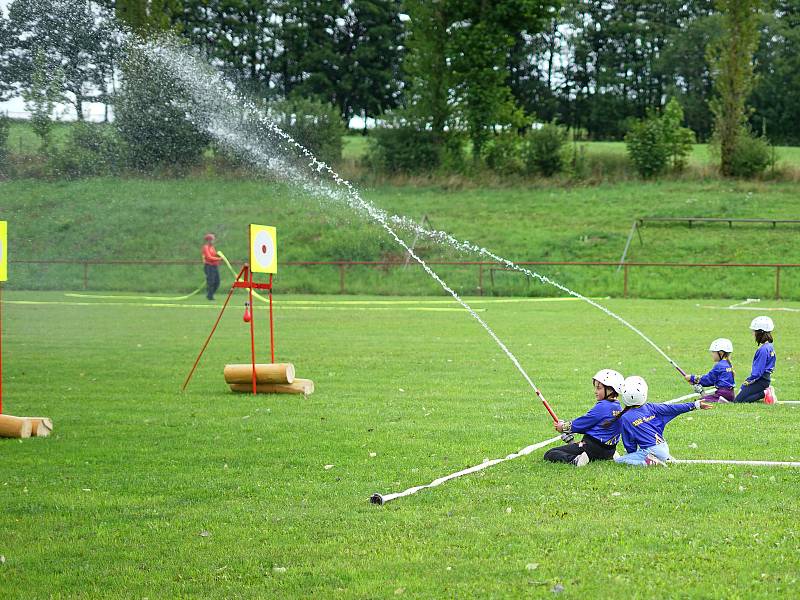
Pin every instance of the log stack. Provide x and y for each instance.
(24, 427)
(272, 378)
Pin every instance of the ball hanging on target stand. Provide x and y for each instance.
(247, 314)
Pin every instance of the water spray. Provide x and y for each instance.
(222, 112)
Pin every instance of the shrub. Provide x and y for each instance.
(659, 141)
(752, 155)
(90, 149)
(503, 153)
(647, 147)
(150, 121)
(316, 125)
(404, 148)
(678, 139)
(544, 149)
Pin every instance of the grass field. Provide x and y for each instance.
(144, 491)
(120, 219)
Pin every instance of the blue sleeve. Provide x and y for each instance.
(712, 377)
(630, 446)
(670, 411)
(759, 364)
(590, 419)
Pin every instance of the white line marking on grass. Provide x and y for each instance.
(758, 463)
(383, 499)
(278, 306)
(755, 308)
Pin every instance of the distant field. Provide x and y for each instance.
(22, 140)
(144, 491)
(128, 218)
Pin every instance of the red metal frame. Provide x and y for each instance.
(243, 280)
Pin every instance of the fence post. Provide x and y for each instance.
(341, 277)
(85, 275)
(480, 278)
(777, 282)
(625, 284)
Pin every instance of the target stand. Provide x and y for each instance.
(254, 377)
(10, 426)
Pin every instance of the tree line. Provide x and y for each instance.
(469, 67)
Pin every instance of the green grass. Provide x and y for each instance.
(165, 219)
(23, 141)
(114, 503)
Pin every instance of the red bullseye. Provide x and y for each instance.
(264, 248)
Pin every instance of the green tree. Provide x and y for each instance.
(75, 40)
(468, 43)
(776, 111)
(732, 59)
(146, 15)
(43, 92)
(678, 139)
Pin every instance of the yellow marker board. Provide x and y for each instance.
(3, 251)
(263, 249)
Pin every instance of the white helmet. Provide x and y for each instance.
(721, 345)
(610, 378)
(634, 391)
(762, 323)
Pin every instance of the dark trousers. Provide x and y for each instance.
(212, 280)
(594, 448)
(753, 392)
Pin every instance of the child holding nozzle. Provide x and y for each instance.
(758, 386)
(721, 376)
(643, 424)
(598, 443)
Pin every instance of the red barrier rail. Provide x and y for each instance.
(481, 265)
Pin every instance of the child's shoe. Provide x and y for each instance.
(616, 455)
(581, 460)
(654, 461)
(769, 395)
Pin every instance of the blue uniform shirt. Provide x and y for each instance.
(592, 422)
(721, 376)
(763, 362)
(643, 426)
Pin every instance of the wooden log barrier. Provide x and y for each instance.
(14, 427)
(265, 373)
(40, 426)
(299, 386)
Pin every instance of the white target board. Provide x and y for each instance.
(3, 251)
(263, 249)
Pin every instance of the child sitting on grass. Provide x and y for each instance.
(721, 376)
(758, 386)
(598, 443)
(643, 424)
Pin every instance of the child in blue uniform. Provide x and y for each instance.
(721, 376)
(643, 424)
(598, 443)
(757, 386)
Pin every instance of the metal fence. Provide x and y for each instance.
(482, 268)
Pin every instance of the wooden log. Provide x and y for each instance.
(14, 427)
(40, 426)
(265, 373)
(299, 386)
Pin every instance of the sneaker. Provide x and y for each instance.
(769, 395)
(654, 461)
(616, 455)
(581, 460)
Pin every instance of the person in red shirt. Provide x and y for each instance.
(210, 261)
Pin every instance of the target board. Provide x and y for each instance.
(263, 249)
(3, 251)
